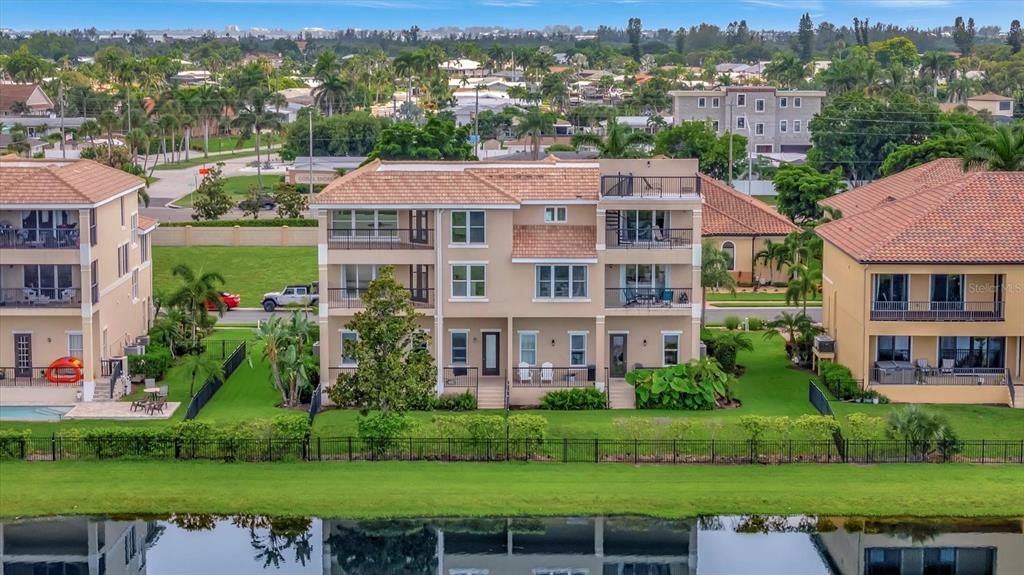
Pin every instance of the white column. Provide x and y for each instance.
(439, 295)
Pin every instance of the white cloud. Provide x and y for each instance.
(787, 4)
(909, 3)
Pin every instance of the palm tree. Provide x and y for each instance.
(332, 91)
(253, 116)
(286, 344)
(534, 122)
(803, 283)
(89, 129)
(407, 65)
(1001, 151)
(620, 141)
(935, 65)
(209, 107)
(714, 272)
(109, 121)
(196, 290)
(772, 256)
(795, 326)
(200, 366)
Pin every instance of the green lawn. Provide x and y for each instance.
(248, 271)
(755, 303)
(199, 160)
(228, 143)
(237, 188)
(770, 200)
(751, 296)
(968, 421)
(393, 489)
(768, 387)
(248, 394)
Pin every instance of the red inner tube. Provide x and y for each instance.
(65, 370)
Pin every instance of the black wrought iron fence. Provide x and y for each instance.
(209, 389)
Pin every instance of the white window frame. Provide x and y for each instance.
(741, 100)
(535, 335)
(743, 120)
(783, 126)
(798, 126)
(341, 357)
(559, 214)
(760, 106)
(122, 260)
(783, 102)
(468, 227)
(759, 129)
(702, 102)
(573, 270)
(341, 229)
(798, 102)
(135, 285)
(71, 350)
(715, 125)
(451, 346)
(665, 335)
(358, 288)
(582, 334)
(144, 248)
(468, 281)
(716, 102)
(135, 229)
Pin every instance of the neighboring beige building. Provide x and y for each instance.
(24, 100)
(923, 281)
(75, 276)
(996, 105)
(742, 226)
(531, 275)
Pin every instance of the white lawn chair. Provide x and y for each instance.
(947, 366)
(547, 372)
(525, 373)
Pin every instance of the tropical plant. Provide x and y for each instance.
(534, 123)
(200, 366)
(700, 384)
(211, 201)
(804, 283)
(924, 431)
(574, 399)
(772, 256)
(332, 94)
(714, 272)
(1001, 151)
(286, 344)
(197, 290)
(799, 330)
(725, 345)
(619, 141)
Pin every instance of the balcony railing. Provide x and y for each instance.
(39, 376)
(937, 311)
(353, 297)
(462, 376)
(939, 376)
(389, 239)
(656, 238)
(19, 238)
(628, 186)
(550, 376)
(647, 297)
(40, 297)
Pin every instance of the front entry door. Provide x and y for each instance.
(492, 353)
(617, 355)
(22, 355)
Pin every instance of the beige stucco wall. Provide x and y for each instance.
(49, 335)
(990, 107)
(746, 248)
(234, 236)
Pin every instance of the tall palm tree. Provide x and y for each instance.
(209, 108)
(534, 122)
(619, 141)
(773, 255)
(803, 284)
(1001, 151)
(253, 116)
(109, 121)
(936, 65)
(195, 291)
(407, 65)
(795, 326)
(332, 93)
(714, 272)
(200, 366)
(90, 129)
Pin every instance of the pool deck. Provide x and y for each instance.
(118, 410)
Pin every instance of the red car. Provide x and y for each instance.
(231, 301)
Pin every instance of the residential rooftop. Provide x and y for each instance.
(82, 183)
(728, 212)
(896, 187)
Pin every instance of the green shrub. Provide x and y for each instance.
(755, 323)
(526, 426)
(575, 399)
(152, 364)
(290, 426)
(113, 442)
(465, 401)
(381, 429)
(697, 385)
(839, 380)
(261, 223)
(482, 428)
(12, 441)
(862, 426)
(925, 431)
(817, 426)
(760, 426)
(732, 322)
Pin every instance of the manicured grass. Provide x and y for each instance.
(770, 200)
(968, 421)
(229, 143)
(768, 387)
(392, 489)
(248, 271)
(199, 160)
(248, 394)
(755, 303)
(749, 296)
(237, 188)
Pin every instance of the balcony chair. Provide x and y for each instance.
(684, 298)
(666, 297)
(33, 297)
(547, 372)
(67, 294)
(525, 373)
(947, 366)
(629, 296)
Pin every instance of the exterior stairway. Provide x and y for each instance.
(491, 394)
(621, 395)
(1018, 392)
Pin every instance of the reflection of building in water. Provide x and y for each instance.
(555, 546)
(885, 548)
(74, 546)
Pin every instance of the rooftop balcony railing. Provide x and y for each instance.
(650, 239)
(352, 297)
(40, 297)
(937, 311)
(380, 239)
(656, 187)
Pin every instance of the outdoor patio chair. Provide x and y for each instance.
(163, 391)
(683, 298)
(547, 372)
(947, 366)
(525, 373)
(138, 404)
(666, 297)
(629, 296)
(158, 405)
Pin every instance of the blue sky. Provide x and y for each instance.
(296, 14)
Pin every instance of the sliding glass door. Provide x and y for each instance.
(947, 292)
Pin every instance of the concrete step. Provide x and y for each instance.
(1018, 393)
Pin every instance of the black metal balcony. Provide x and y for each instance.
(23, 238)
(40, 297)
(937, 311)
(629, 186)
(462, 376)
(648, 239)
(353, 297)
(380, 239)
(550, 376)
(638, 297)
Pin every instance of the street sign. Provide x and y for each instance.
(204, 171)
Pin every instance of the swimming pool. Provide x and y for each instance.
(33, 412)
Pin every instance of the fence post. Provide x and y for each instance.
(177, 448)
(270, 449)
(791, 451)
(906, 451)
(751, 444)
(712, 450)
(21, 445)
(636, 451)
(674, 450)
(982, 450)
(319, 452)
(53, 447)
(350, 448)
(597, 453)
(565, 450)
(449, 459)
(507, 457)
(223, 349)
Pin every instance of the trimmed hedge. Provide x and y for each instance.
(575, 399)
(271, 223)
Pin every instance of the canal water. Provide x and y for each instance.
(713, 545)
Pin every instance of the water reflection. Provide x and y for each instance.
(719, 545)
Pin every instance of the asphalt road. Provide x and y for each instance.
(715, 315)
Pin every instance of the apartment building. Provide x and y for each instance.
(75, 277)
(774, 121)
(79, 545)
(924, 285)
(531, 275)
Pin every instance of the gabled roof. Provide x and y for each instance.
(147, 224)
(548, 241)
(989, 97)
(976, 219)
(62, 182)
(898, 186)
(561, 183)
(11, 94)
(727, 212)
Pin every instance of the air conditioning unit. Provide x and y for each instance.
(316, 349)
(142, 340)
(824, 344)
(703, 350)
(134, 350)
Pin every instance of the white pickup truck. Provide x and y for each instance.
(300, 295)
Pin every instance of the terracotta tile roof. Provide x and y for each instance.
(147, 224)
(727, 212)
(554, 241)
(898, 186)
(11, 94)
(47, 182)
(545, 183)
(989, 97)
(978, 219)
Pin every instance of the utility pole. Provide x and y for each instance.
(476, 122)
(729, 105)
(63, 151)
(311, 151)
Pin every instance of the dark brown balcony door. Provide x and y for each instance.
(419, 283)
(617, 354)
(22, 355)
(418, 227)
(492, 353)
